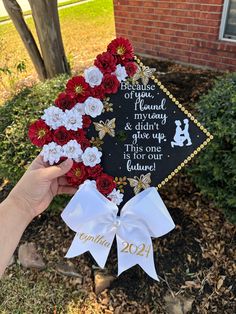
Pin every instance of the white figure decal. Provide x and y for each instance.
(181, 135)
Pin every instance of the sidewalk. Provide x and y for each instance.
(24, 4)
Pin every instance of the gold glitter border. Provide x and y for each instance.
(189, 115)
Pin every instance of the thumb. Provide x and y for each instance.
(54, 172)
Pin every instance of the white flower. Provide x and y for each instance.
(120, 73)
(93, 76)
(72, 149)
(73, 120)
(51, 152)
(116, 196)
(53, 116)
(91, 156)
(80, 108)
(93, 107)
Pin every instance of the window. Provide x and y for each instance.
(228, 22)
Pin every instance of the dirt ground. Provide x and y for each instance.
(195, 261)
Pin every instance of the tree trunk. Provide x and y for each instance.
(46, 19)
(16, 15)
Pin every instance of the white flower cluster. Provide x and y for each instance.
(93, 76)
(73, 120)
(52, 153)
(116, 197)
(120, 73)
(55, 117)
(93, 107)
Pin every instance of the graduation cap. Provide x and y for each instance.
(146, 135)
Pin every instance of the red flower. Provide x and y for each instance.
(78, 88)
(78, 135)
(86, 122)
(105, 62)
(94, 172)
(61, 136)
(105, 184)
(39, 133)
(122, 49)
(85, 143)
(110, 83)
(98, 92)
(77, 174)
(131, 68)
(65, 101)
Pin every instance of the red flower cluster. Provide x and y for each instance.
(65, 101)
(105, 183)
(78, 88)
(122, 50)
(79, 173)
(39, 133)
(110, 83)
(105, 62)
(119, 51)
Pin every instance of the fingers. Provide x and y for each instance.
(62, 181)
(54, 172)
(66, 190)
(37, 163)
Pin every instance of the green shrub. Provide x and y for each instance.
(16, 151)
(214, 171)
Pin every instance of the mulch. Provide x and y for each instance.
(195, 261)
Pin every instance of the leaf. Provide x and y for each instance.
(220, 282)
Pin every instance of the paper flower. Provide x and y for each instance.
(131, 68)
(79, 107)
(51, 153)
(105, 184)
(121, 49)
(78, 135)
(93, 107)
(77, 174)
(110, 83)
(65, 101)
(39, 133)
(85, 143)
(72, 120)
(61, 136)
(86, 122)
(78, 88)
(93, 76)
(105, 62)
(116, 197)
(72, 150)
(94, 172)
(98, 92)
(91, 156)
(120, 73)
(53, 116)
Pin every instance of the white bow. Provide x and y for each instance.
(94, 219)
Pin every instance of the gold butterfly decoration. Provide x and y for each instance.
(140, 183)
(107, 127)
(144, 73)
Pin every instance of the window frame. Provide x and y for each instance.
(223, 23)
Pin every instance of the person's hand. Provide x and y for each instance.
(40, 183)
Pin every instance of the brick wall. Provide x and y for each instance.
(181, 30)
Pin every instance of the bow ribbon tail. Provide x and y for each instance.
(90, 215)
(92, 237)
(134, 247)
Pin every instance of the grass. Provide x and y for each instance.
(86, 31)
(28, 12)
(24, 293)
